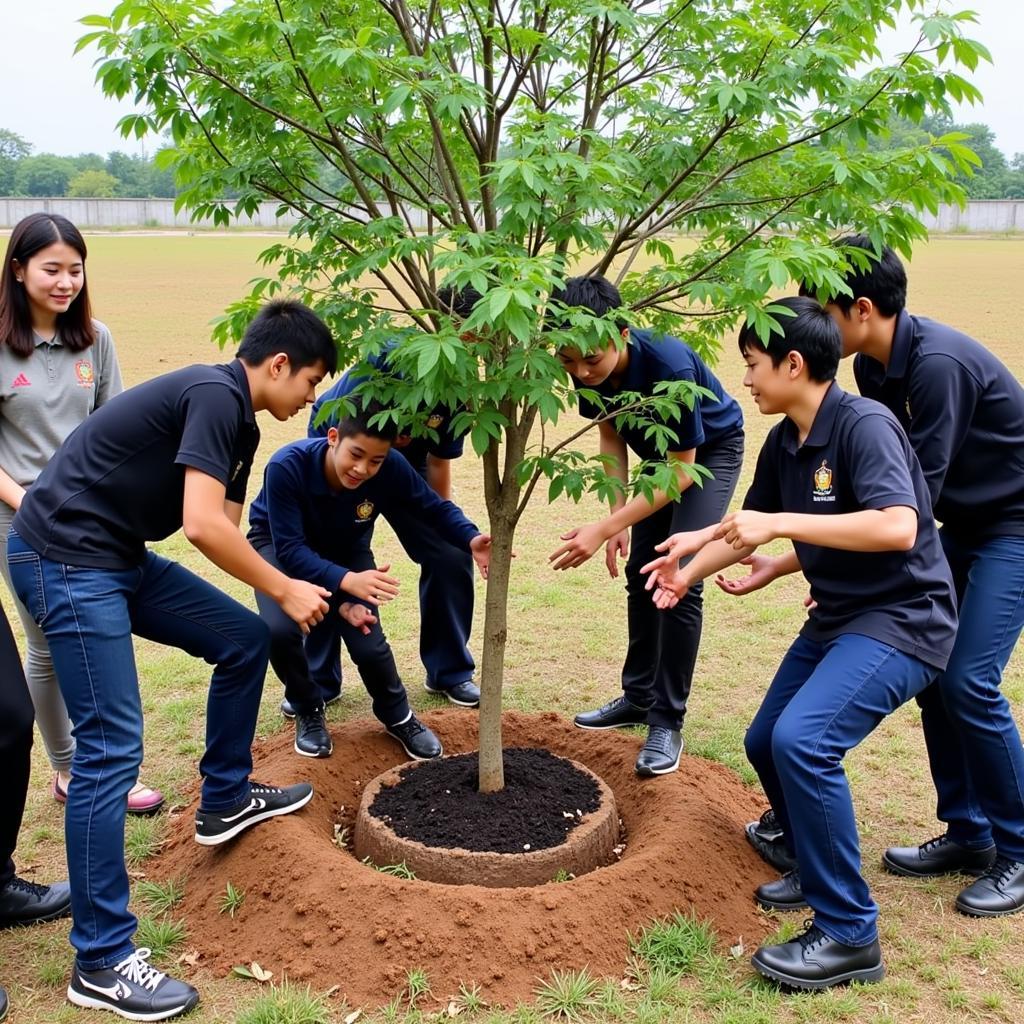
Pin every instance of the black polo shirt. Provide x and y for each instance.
(857, 457)
(654, 358)
(964, 413)
(118, 480)
(315, 530)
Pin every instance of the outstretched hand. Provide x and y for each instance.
(357, 615)
(374, 586)
(762, 572)
(581, 543)
(480, 546)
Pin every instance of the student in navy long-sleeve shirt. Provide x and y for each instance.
(319, 502)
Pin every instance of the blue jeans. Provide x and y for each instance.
(88, 617)
(824, 699)
(974, 747)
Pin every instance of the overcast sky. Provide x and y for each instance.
(49, 97)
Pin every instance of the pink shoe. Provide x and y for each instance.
(141, 800)
(59, 793)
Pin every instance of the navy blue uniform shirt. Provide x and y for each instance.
(857, 457)
(314, 529)
(654, 358)
(415, 449)
(118, 480)
(964, 413)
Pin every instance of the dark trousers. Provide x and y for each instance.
(15, 747)
(974, 747)
(825, 698)
(662, 652)
(371, 653)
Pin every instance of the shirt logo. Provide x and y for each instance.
(83, 371)
(21, 381)
(823, 482)
(364, 510)
(435, 421)
(237, 470)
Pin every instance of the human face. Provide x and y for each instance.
(289, 392)
(852, 325)
(592, 369)
(767, 384)
(53, 277)
(353, 460)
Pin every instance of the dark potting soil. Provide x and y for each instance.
(437, 803)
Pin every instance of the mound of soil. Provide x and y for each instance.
(437, 802)
(315, 914)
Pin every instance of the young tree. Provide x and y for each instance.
(507, 143)
(93, 184)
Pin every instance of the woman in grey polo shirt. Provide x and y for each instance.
(57, 365)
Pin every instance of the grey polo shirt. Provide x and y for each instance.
(45, 396)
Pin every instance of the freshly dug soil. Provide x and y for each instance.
(437, 803)
(315, 914)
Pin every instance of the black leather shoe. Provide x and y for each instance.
(767, 837)
(939, 856)
(660, 754)
(311, 736)
(24, 902)
(998, 892)
(783, 894)
(289, 712)
(813, 961)
(462, 695)
(615, 713)
(416, 739)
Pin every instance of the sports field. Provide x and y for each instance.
(158, 293)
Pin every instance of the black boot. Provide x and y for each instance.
(783, 894)
(24, 902)
(813, 961)
(939, 856)
(998, 892)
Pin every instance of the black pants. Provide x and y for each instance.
(662, 652)
(15, 747)
(370, 652)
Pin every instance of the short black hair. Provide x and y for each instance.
(458, 301)
(810, 331)
(288, 326)
(594, 292)
(358, 422)
(884, 282)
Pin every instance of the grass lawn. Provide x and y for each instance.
(566, 639)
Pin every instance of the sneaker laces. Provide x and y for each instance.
(412, 726)
(659, 739)
(136, 970)
(258, 787)
(768, 820)
(613, 705)
(32, 888)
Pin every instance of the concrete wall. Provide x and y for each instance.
(981, 215)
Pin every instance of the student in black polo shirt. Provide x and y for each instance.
(662, 652)
(837, 477)
(173, 452)
(314, 518)
(964, 413)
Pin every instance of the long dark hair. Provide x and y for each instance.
(30, 235)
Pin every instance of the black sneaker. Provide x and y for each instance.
(215, 827)
(133, 989)
(289, 712)
(24, 902)
(416, 739)
(311, 736)
(771, 850)
(660, 754)
(615, 713)
(463, 695)
(766, 828)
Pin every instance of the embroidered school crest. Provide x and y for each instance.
(435, 421)
(364, 510)
(84, 373)
(823, 482)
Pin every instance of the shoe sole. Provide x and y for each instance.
(617, 725)
(141, 812)
(54, 915)
(978, 912)
(310, 753)
(90, 1003)
(415, 757)
(865, 975)
(897, 869)
(649, 773)
(451, 699)
(780, 906)
(223, 837)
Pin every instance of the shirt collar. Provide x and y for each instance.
(55, 340)
(821, 429)
(902, 339)
(237, 370)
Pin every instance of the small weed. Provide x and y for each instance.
(286, 1004)
(608, 1002)
(561, 875)
(1015, 978)
(471, 997)
(232, 900)
(568, 994)
(162, 935)
(391, 1013)
(401, 870)
(52, 972)
(675, 944)
(992, 1001)
(417, 984)
(160, 896)
(661, 983)
(341, 836)
(143, 837)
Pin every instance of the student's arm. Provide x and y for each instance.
(439, 476)
(208, 527)
(884, 529)
(669, 583)
(764, 569)
(10, 490)
(233, 510)
(108, 376)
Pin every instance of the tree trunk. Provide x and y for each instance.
(492, 768)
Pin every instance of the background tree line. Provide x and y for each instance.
(23, 173)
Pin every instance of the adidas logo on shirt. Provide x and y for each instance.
(21, 381)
